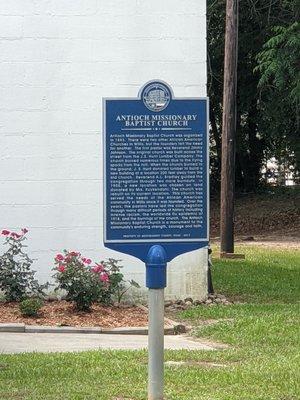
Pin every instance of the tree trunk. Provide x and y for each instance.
(229, 128)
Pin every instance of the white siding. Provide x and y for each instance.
(58, 58)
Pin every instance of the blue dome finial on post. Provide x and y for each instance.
(156, 268)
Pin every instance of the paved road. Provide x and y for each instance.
(64, 342)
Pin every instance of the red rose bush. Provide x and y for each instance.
(17, 279)
(86, 282)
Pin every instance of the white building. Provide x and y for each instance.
(58, 59)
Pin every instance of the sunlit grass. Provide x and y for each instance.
(266, 275)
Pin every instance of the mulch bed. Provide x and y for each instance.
(62, 313)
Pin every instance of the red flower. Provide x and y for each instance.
(24, 230)
(59, 257)
(61, 268)
(86, 260)
(15, 235)
(98, 268)
(5, 232)
(73, 254)
(104, 277)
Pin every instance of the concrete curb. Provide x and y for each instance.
(135, 331)
(7, 327)
(74, 329)
(60, 329)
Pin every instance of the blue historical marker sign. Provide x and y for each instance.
(155, 172)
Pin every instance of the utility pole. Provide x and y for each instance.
(229, 128)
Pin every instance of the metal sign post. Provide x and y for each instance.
(156, 266)
(155, 191)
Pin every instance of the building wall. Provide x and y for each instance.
(58, 58)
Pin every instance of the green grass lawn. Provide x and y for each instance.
(266, 275)
(261, 362)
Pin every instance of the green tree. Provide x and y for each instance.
(259, 133)
(279, 68)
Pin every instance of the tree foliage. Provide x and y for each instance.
(279, 68)
(279, 61)
(266, 119)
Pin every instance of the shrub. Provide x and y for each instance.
(86, 283)
(30, 307)
(75, 276)
(118, 286)
(17, 280)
